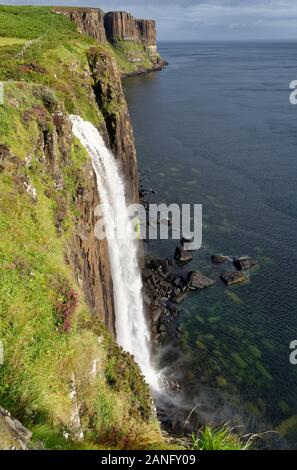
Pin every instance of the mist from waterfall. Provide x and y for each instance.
(131, 327)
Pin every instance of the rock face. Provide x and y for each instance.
(89, 256)
(147, 31)
(111, 101)
(89, 20)
(120, 25)
(13, 435)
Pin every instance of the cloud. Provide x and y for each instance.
(205, 19)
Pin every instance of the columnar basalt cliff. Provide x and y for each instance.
(90, 256)
(120, 25)
(148, 33)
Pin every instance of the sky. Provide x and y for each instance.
(191, 20)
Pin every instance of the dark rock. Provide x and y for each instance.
(197, 280)
(147, 299)
(218, 259)
(231, 278)
(182, 256)
(157, 264)
(173, 308)
(156, 315)
(177, 281)
(244, 262)
(180, 297)
(176, 292)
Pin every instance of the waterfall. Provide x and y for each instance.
(131, 327)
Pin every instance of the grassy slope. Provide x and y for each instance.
(35, 280)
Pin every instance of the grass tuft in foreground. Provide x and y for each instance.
(215, 438)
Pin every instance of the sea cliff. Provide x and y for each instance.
(63, 376)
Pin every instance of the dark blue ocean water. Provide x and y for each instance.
(216, 128)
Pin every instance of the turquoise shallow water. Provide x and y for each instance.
(216, 128)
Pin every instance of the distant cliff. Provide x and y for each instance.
(135, 39)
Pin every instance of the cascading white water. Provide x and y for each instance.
(131, 326)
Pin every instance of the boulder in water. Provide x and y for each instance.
(179, 296)
(158, 264)
(218, 259)
(244, 262)
(233, 277)
(182, 256)
(197, 281)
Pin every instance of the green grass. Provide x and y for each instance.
(9, 41)
(32, 22)
(218, 438)
(126, 51)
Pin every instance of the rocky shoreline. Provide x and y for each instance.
(136, 73)
(167, 282)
